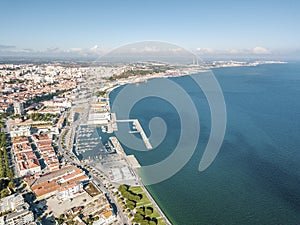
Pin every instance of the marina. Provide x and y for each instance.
(89, 144)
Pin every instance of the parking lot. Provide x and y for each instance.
(58, 207)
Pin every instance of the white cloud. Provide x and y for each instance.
(206, 50)
(260, 50)
(95, 48)
(142, 49)
(7, 47)
(74, 50)
(150, 49)
(234, 51)
(94, 51)
(176, 49)
(239, 52)
(26, 50)
(52, 49)
(212, 51)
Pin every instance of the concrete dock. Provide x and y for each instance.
(135, 165)
(114, 122)
(139, 130)
(116, 144)
(130, 158)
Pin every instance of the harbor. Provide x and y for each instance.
(139, 129)
(106, 155)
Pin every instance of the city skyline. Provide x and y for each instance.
(265, 29)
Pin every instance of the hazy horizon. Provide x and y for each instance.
(215, 29)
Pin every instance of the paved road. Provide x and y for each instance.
(83, 117)
(112, 198)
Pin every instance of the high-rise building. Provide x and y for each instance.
(18, 108)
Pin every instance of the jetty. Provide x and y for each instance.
(139, 129)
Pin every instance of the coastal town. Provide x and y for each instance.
(60, 161)
(55, 169)
(149, 112)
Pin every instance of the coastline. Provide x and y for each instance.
(141, 184)
(139, 176)
(134, 80)
(165, 216)
(189, 71)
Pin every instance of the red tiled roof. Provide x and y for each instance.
(49, 186)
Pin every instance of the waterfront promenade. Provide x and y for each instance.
(116, 144)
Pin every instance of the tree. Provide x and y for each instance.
(140, 196)
(89, 220)
(123, 188)
(60, 221)
(11, 185)
(9, 173)
(152, 222)
(148, 210)
(4, 193)
(131, 205)
(100, 93)
(140, 210)
(144, 222)
(1, 166)
(138, 218)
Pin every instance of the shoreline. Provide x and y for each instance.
(135, 80)
(139, 176)
(190, 71)
(166, 217)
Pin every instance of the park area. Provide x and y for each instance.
(138, 207)
(6, 175)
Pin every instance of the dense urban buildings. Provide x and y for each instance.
(51, 112)
(15, 211)
(53, 118)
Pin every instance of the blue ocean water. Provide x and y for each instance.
(255, 179)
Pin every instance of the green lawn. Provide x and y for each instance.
(155, 214)
(146, 202)
(161, 221)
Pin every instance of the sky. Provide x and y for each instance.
(257, 27)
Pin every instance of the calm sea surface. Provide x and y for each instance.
(255, 179)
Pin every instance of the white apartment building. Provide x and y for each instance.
(18, 108)
(20, 131)
(20, 211)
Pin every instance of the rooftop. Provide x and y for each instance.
(59, 180)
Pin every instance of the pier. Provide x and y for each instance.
(114, 122)
(139, 130)
(116, 145)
